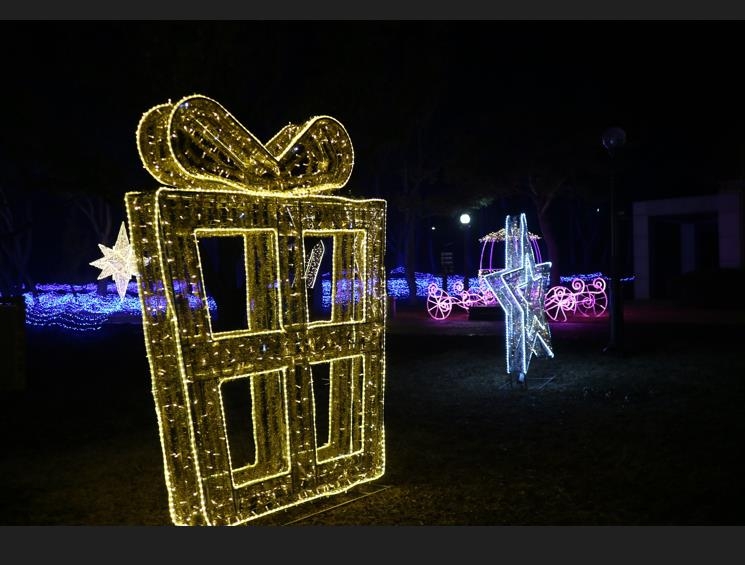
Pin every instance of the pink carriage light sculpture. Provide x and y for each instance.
(440, 302)
(589, 301)
(582, 299)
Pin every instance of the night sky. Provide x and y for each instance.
(481, 97)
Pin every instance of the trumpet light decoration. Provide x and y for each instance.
(298, 441)
(520, 289)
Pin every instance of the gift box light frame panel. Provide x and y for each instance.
(277, 351)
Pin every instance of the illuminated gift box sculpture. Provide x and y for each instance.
(223, 183)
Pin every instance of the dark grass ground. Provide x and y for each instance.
(653, 437)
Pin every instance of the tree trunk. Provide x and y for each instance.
(410, 254)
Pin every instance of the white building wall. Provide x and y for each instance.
(730, 230)
(726, 205)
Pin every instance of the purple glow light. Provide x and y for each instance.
(589, 301)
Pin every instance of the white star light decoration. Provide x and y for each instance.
(117, 262)
(520, 289)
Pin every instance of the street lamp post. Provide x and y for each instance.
(613, 139)
(465, 220)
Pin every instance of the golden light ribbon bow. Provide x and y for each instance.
(196, 143)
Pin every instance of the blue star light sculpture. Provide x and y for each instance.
(520, 289)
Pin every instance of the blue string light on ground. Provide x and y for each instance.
(82, 308)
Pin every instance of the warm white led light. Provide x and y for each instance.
(224, 183)
(314, 264)
(197, 143)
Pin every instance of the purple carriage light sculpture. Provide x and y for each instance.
(589, 301)
(583, 299)
(440, 302)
